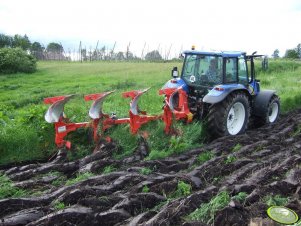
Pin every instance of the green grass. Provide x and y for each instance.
(145, 189)
(8, 190)
(146, 171)
(241, 197)
(183, 189)
(230, 159)
(79, 177)
(59, 205)
(284, 76)
(59, 181)
(109, 169)
(276, 200)
(206, 212)
(204, 157)
(161, 146)
(24, 134)
(236, 148)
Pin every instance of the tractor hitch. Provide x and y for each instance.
(176, 106)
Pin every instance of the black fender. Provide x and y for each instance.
(211, 99)
(261, 102)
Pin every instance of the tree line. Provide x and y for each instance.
(55, 51)
(294, 53)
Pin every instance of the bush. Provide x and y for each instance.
(18, 143)
(13, 60)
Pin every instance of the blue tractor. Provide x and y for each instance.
(222, 90)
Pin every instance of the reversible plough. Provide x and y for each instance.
(176, 107)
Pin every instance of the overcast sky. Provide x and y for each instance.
(255, 25)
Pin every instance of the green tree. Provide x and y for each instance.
(84, 54)
(21, 41)
(298, 49)
(5, 41)
(275, 54)
(129, 55)
(54, 51)
(291, 54)
(55, 47)
(153, 55)
(120, 56)
(37, 50)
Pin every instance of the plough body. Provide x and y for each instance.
(101, 121)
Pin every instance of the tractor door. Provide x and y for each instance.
(230, 70)
(242, 71)
(253, 82)
(236, 71)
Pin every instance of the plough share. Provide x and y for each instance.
(101, 121)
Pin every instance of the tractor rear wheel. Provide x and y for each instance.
(229, 117)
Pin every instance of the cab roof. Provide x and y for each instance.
(219, 53)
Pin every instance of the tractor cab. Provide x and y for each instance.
(205, 70)
(208, 69)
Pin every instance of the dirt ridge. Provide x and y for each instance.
(267, 162)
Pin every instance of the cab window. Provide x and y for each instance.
(231, 70)
(242, 72)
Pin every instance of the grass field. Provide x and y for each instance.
(24, 134)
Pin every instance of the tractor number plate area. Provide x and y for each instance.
(61, 129)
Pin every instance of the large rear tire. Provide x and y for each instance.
(230, 117)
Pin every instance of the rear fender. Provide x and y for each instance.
(261, 102)
(176, 83)
(220, 92)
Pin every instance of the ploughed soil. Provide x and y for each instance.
(264, 161)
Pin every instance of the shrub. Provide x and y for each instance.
(13, 60)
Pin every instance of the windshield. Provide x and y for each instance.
(202, 70)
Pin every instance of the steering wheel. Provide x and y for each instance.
(204, 78)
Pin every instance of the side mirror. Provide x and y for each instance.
(174, 72)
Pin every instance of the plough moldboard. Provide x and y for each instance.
(176, 107)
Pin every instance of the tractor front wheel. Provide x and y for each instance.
(272, 112)
(230, 117)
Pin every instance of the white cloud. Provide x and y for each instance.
(216, 24)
